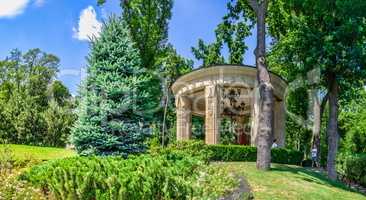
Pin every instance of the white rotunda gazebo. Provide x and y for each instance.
(226, 90)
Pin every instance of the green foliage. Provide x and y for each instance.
(298, 134)
(210, 54)
(248, 153)
(59, 121)
(227, 132)
(170, 66)
(321, 34)
(353, 124)
(141, 177)
(233, 153)
(286, 156)
(352, 167)
(231, 32)
(218, 182)
(115, 103)
(27, 87)
(12, 188)
(190, 148)
(327, 36)
(198, 128)
(59, 93)
(226, 153)
(148, 23)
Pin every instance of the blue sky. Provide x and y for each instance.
(62, 27)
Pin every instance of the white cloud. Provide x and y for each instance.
(39, 3)
(12, 8)
(88, 26)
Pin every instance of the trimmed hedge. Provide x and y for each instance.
(233, 152)
(249, 153)
(100, 178)
(352, 167)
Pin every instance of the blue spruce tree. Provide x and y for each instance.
(114, 106)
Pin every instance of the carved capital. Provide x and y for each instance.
(183, 102)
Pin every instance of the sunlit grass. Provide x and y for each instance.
(290, 182)
(25, 152)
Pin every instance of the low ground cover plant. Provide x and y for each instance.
(139, 177)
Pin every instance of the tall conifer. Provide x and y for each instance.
(114, 98)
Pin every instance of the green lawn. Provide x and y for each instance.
(290, 182)
(25, 152)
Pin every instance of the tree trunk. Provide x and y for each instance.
(317, 118)
(318, 109)
(316, 131)
(164, 120)
(265, 122)
(332, 130)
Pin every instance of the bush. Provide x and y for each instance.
(233, 153)
(220, 152)
(139, 177)
(249, 153)
(191, 148)
(352, 167)
(287, 156)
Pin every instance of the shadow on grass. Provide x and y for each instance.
(312, 176)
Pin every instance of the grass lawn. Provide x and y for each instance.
(290, 182)
(25, 152)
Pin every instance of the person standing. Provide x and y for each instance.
(314, 161)
(274, 144)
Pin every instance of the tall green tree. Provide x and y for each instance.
(115, 104)
(328, 35)
(25, 81)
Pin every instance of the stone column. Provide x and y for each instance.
(279, 123)
(213, 114)
(184, 118)
(254, 116)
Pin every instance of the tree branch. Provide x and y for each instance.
(254, 5)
